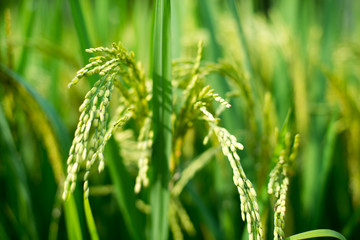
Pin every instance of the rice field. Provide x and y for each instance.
(179, 120)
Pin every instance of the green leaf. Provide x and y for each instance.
(246, 58)
(30, 15)
(71, 213)
(19, 197)
(90, 220)
(72, 219)
(81, 30)
(124, 192)
(3, 234)
(162, 109)
(323, 172)
(317, 234)
(192, 169)
(208, 19)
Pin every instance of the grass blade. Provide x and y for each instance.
(3, 234)
(90, 220)
(23, 88)
(325, 168)
(81, 30)
(29, 10)
(20, 200)
(102, 11)
(72, 219)
(205, 213)
(244, 44)
(192, 169)
(218, 83)
(57, 143)
(317, 234)
(124, 192)
(162, 108)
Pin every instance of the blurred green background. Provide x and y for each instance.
(298, 55)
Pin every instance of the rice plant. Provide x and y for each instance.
(188, 120)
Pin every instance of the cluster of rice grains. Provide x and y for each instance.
(249, 206)
(92, 131)
(248, 203)
(144, 144)
(279, 181)
(199, 99)
(116, 66)
(88, 143)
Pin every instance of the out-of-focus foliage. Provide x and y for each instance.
(286, 67)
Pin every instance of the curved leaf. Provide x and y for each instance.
(317, 234)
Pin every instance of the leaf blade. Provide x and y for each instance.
(162, 109)
(316, 234)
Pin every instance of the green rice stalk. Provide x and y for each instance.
(56, 214)
(90, 220)
(327, 162)
(72, 219)
(247, 62)
(55, 35)
(189, 172)
(162, 126)
(81, 30)
(208, 19)
(124, 193)
(30, 13)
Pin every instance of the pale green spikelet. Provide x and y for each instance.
(92, 132)
(118, 69)
(178, 219)
(189, 172)
(144, 144)
(248, 202)
(99, 153)
(279, 181)
(199, 100)
(174, 224)
(184, 218)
